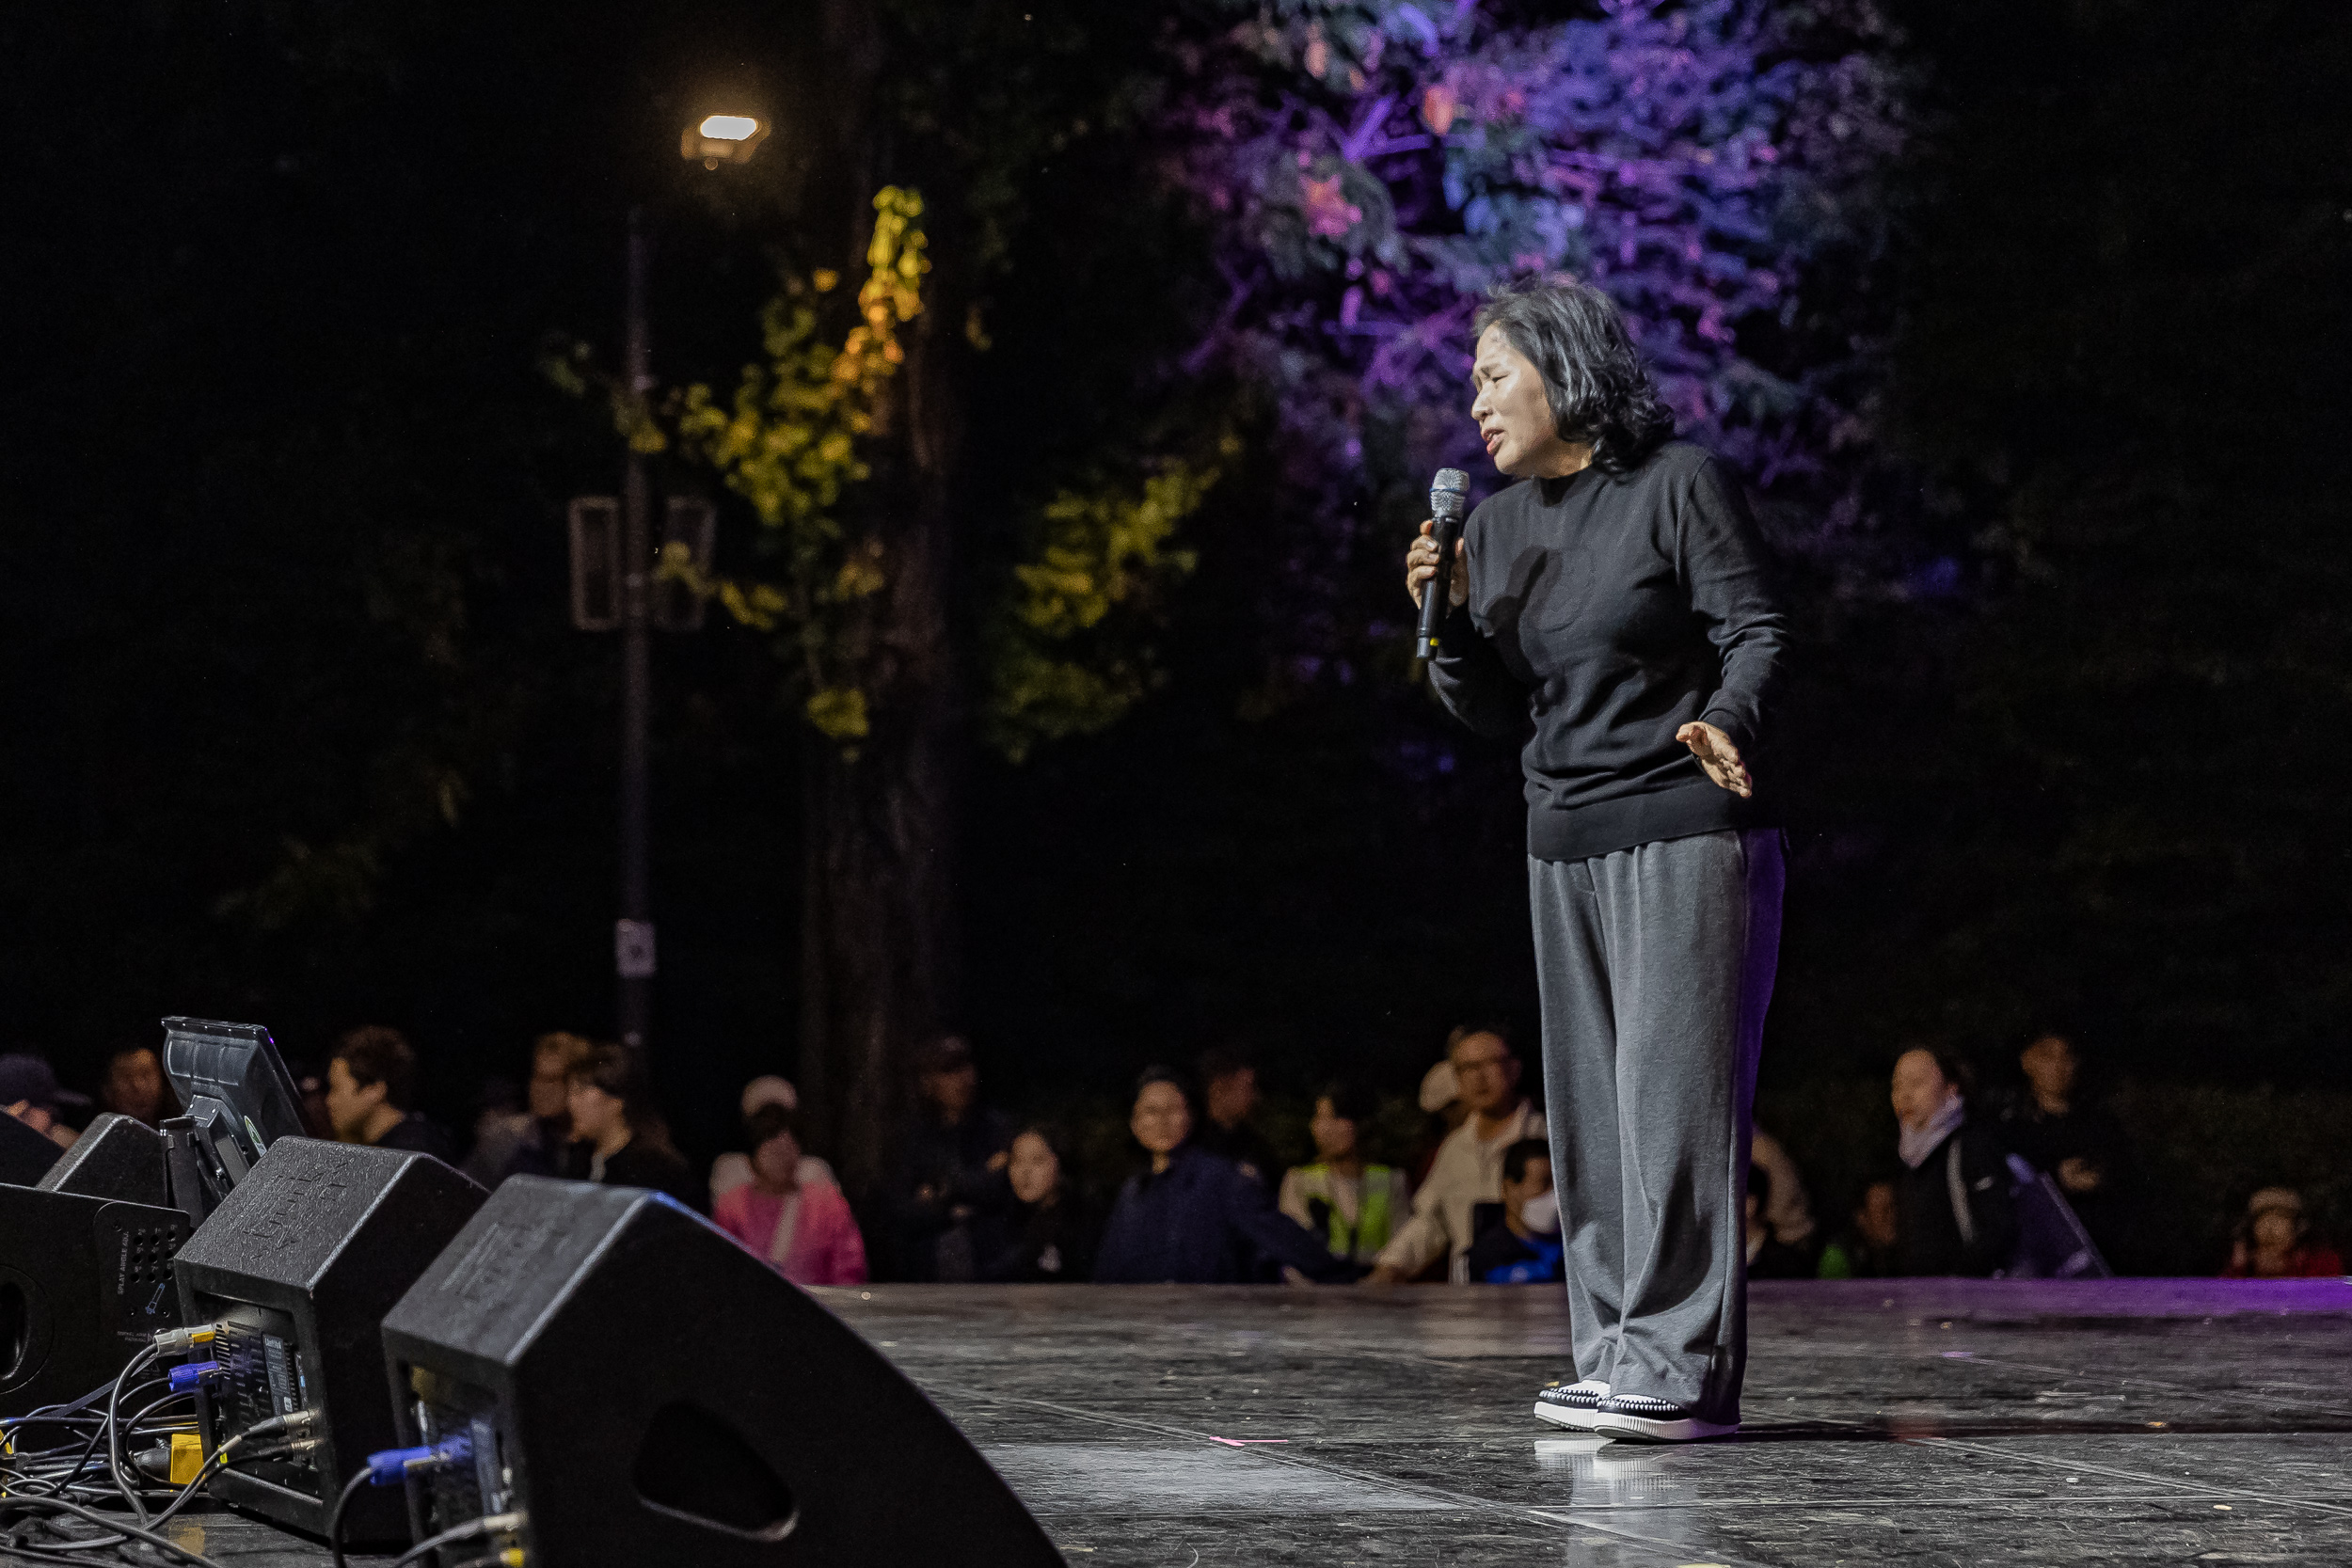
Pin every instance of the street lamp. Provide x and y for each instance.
(716, 139)
(612, 589)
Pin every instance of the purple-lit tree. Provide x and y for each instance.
(1371, 168)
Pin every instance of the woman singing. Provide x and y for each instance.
(1619, 596)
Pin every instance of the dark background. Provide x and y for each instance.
(298, 732)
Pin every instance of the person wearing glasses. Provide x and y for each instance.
(1469, 1168)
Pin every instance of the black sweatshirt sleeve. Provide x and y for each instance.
(1470, 678)
(1723, 564)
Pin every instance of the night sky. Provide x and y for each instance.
(299, 732)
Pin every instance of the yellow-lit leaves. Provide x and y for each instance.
(1099, 551)
(1053, 669)
(787, 442)
(839, 712)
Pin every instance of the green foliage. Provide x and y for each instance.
(787, 442)
(1093, 553)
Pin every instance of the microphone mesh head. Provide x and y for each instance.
(1449, 479)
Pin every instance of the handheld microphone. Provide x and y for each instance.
(1449, 499)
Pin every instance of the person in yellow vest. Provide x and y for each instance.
(1352, 1206)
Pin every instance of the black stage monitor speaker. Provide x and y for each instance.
(297, 1267)
(25, 1155)
(85, 1266)
(623, 1385)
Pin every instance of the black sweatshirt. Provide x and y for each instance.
(1613, 609)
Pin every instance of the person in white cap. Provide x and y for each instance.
(730, 1171)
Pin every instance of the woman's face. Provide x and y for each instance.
(1513, 416)
(1034, 1171)
(1334, 1135)
(1162, 1121)
(1919, 1089)
(595, 1113)
(777, 1162)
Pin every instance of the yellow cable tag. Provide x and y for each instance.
(187, 1457)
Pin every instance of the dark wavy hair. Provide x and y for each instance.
(1599, 389)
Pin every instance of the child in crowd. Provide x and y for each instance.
(1518, 1242)
(1866, 1248)
(2274, 1241)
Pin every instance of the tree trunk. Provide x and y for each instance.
(880, 943)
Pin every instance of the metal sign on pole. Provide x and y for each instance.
(596, 532)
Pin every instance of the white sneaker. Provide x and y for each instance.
(1639, 1418)
(1574, 1406)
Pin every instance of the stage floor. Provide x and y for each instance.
(1904, 1422)
(1909, 1422)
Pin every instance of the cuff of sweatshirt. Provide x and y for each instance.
(1457, 633)
(1733, 726)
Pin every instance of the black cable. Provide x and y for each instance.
(335, 1515)
(89, 1516)
(69, 1477)
(104, 1423)
(466, 1531)
(114, 1432)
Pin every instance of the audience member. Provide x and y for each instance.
(1229, 1081)
(1519, 1238)
(2077, 1141)
(30, 1093)
(1467, 1170)
(1193, 1218)
(730, 1171)
(950, 1170)
(1869, 1247)
(801, 1226)
(1045, 1237)
(2274, 1241)
(530, 1141)
(1769, 1257)
(1787, 1209)
(135, 1086)
(618, 1138)
(1353, 1205)
(1952, 1197)
(371, 1082)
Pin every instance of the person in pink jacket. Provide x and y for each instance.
(803, 1228)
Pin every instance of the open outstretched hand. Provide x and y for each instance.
(1719, 756)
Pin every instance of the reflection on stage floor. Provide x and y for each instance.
(1888, 1422)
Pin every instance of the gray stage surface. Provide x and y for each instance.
(1898, 1423)
(1888, 1422)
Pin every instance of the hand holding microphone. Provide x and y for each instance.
(1441, 540)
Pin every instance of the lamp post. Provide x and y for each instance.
(614, 589)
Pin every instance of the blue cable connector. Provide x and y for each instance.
(184, 1378)
(387, 1467)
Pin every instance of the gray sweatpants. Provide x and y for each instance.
(1656, 965)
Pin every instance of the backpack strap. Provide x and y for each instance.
(1956, 1186)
